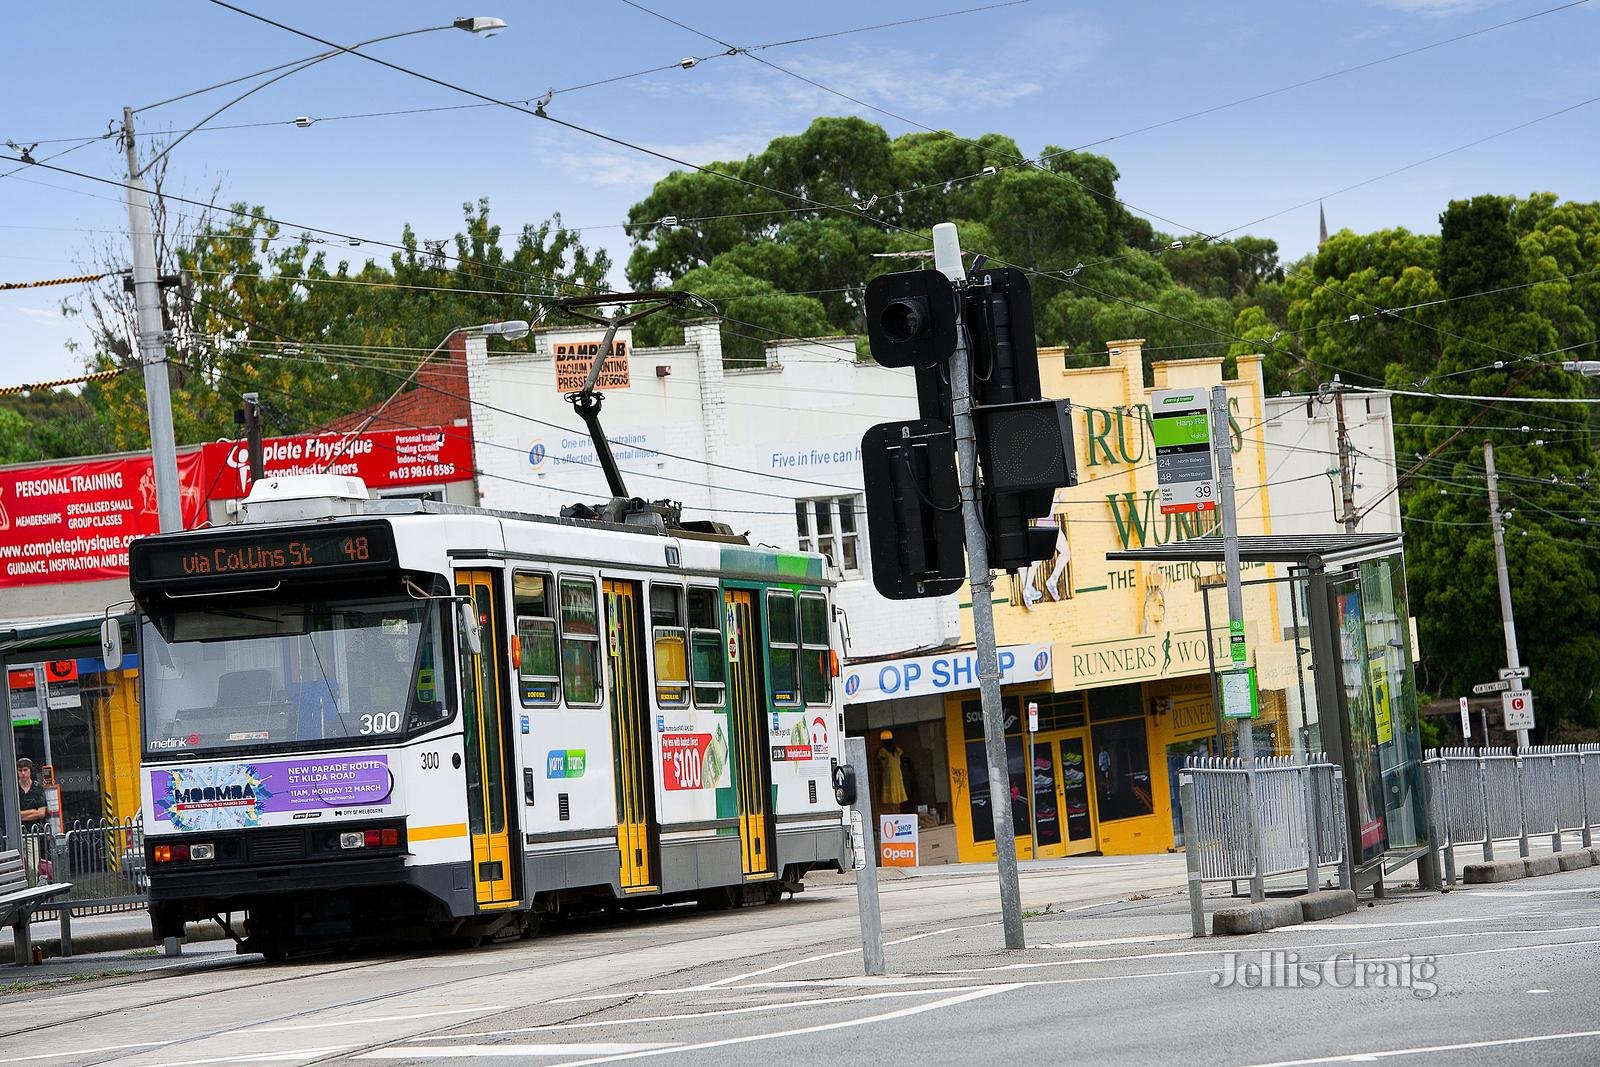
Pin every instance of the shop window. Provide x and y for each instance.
(1115, 702)
(784, 642)
(816, 659)
(670, 640)
(580, 642)
(1121, 770)
(978, 788)
(829, 526)
(707, 664)
(534, 649)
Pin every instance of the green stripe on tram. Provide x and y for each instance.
(777, 564)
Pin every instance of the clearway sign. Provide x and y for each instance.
(946, 673)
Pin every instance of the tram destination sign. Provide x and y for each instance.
(264, 553)
(1180, 425)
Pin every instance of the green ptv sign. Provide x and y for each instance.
(1180, 425)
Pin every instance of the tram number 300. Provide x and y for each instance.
(383, 722)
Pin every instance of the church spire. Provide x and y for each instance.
(1322, 226)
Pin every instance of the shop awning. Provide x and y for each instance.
(24, 638)
(1305, 550)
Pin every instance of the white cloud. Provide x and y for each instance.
(620, 167)
(48, 316)
(1436, 8)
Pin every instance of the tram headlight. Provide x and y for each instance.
(353, 839)
(203, 852)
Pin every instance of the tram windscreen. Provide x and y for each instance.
(266, 672)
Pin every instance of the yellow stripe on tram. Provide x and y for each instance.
(437, 833)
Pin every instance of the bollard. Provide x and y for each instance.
(1483, 790)
(1583, 794)
(1308, 779)
(1522, 810)
(1191, 855)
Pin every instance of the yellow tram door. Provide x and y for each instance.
(483, 722)
(630, 736)
(752, 759)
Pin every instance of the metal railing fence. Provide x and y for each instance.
(103, 861)
(1481, 796)
(1284, 816)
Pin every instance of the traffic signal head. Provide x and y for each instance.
(1026, 446)
(911, 318)
(914, 525)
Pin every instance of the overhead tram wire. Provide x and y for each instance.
(685, 63)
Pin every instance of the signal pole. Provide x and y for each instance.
(947, 259)
(1503, 578)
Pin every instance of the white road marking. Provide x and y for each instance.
(1538, 990)
(1231, 946)
(1147, 939)
(782, 1005)
(832, 983)
(367, 1019)
(834, 955)
(599, 1048)
(283, 1056)
(1367, 1057)
(1533, 892)
(83, 1051)
(917, 1009)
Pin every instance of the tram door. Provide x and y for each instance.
(630, 736)
(483, 721)
(752, 761)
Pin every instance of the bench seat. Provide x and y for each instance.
(18, 900)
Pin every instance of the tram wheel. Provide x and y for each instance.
(274, 953)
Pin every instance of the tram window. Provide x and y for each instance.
(670, 640)
(534, 651)
(707, 667)
(580, 642)
(816, 660)
(784, 648)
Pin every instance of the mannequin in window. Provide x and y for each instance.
(891, 775)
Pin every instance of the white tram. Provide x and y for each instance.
(365, 716)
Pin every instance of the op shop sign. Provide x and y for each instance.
(949, 672)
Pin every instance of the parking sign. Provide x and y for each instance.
(1518, 708)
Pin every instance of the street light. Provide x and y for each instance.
(147, 304)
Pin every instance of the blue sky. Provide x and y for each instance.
(1045, 72)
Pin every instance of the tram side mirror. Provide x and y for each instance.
(111, 644)
(844, 785)
(471, 632)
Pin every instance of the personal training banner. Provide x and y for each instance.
(71, 522)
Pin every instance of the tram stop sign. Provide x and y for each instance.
(1518, 708)
(1180, 424)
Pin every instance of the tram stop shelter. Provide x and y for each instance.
(1351, 628)
(77, 721)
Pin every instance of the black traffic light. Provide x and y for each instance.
(911, 318)
(913, 496)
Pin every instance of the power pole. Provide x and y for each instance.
(1503, 577)
(1347, 473)
(947, 260)
(151, 339)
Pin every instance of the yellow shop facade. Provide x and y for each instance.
(1130, 695)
